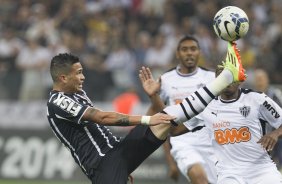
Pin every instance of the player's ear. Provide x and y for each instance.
(159, 80)
(63, 78)
(177, 54)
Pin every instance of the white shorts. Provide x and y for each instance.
(268, 175)
(231, 179)
(195, 148)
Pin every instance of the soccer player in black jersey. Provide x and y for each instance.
(103, 157)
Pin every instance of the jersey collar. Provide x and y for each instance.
(232, 100)
(185, 74)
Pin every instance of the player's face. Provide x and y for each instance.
(188, 54)
(231, 91)
(75, 79)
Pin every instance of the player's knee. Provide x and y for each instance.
(200, 180)
(197, 175)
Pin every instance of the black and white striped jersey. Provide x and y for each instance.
(186, 94)
(87, 141)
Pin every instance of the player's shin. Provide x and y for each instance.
(190, 106)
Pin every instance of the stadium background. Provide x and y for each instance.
(113, 38)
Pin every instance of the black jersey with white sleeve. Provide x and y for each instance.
(87, 141)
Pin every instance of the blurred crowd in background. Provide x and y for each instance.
(114, 38)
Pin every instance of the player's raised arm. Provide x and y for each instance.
(152, 88)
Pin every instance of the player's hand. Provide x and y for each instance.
(150, 85)
(268, 141)
(160, 118)
(173, 172)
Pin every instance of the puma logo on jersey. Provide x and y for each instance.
(67, 104)
(231, 136)
(271, 109)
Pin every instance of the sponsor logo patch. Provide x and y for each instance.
(271, 109)
(67, 104)
(231, 136)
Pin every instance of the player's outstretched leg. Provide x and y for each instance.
(233, 63)
(197, 101)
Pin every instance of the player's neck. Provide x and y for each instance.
(186, 70)
(60, 88)
(231, 96)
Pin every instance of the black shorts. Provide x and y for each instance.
(126, 157)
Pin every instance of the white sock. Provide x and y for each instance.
(224, 79)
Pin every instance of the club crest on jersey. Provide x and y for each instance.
(245, 110)
(67, 104)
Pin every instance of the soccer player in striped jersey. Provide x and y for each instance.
(81, 127)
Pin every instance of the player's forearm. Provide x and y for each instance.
(117, 119)
(113, 118)
(279, 132)
(157, 105)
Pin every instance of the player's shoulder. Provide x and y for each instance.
(252, 92)
(206, 72)
(67, 103)
(205, 69)
(253, 95)
(248, 94)
(169, 73)
(58, 97)
(53, 95)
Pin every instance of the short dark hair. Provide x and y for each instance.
(61, 64)
(187, 37)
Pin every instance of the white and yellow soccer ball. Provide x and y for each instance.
(231, 23)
